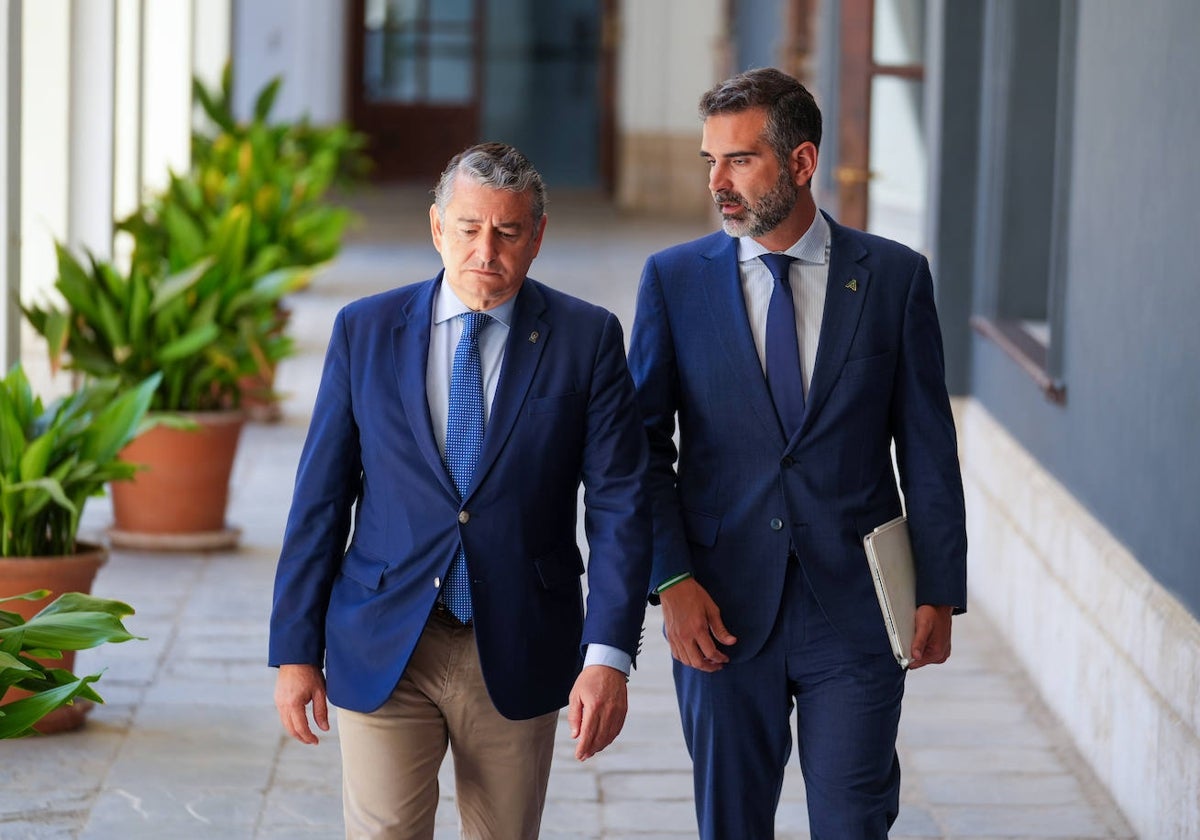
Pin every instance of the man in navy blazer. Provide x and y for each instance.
(361, 611)
(759, 514)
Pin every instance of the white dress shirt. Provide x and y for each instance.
(807, 276)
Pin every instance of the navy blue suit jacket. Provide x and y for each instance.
(740, 493)
(564, 413)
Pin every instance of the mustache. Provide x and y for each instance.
(727, 197)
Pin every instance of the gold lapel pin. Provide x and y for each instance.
(533, 337)
(853, 284)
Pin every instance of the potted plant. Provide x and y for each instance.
(273, 179)
(189, 329)
(52, 459)
(32, 647)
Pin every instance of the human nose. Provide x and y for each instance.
(486, 249)
(718, 177)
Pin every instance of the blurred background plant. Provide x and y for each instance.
(255, 201)
(191, 326)
(53, 459)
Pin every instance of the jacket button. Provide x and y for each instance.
(787, 461)
(437, 583)
(463, 517)
(776, 524)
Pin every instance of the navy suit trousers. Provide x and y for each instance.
(737, 724)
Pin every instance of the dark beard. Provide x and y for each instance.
(766, 214)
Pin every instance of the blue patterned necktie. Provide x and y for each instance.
(783, 347)
(464, 440)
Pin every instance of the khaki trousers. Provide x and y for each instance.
(390, 757)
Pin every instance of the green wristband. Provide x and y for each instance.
(671, 582)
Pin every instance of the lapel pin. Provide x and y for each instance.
(533, 337)
(853, 284)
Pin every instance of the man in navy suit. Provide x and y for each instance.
(790, 392)
(454, 615)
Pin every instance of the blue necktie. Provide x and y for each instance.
(783, 348)
(464, 440)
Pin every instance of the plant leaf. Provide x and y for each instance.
(19, 717)
(117, 423)
(175, 285)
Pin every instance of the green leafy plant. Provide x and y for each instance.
(254, 202)
(193, 326)
(73, 621)
(52, 459)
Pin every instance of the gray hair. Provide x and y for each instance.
(497, 166)
(792, 113)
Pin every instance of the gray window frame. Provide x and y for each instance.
(1021, 254)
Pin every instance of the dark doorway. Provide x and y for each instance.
(430, 77)
(415, 74)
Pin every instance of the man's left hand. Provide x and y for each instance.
(931, 638)
(597, 709)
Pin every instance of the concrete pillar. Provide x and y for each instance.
(10, 180)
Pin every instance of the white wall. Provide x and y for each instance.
(302, 40)
(670, 53)
(668, 57)
(1112, 653)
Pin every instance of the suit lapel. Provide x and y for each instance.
(722, 283)
(410, 354)
(526, 339)
(839, 322)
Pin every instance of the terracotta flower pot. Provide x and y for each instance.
(66, 573)
(178, 501)
(259, 400)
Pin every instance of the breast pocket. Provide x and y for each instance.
(878, 366)
(554, 404)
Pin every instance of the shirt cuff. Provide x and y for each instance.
(598, 654)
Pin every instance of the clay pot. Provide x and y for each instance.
(177, 502)
(66, 573)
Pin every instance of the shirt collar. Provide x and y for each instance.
(446, 305)
(812, 247)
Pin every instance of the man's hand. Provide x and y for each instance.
(295, 687)
(693, 625)
(597, 709)
(931, 637)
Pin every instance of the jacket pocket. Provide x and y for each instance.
(561, 568)
(701, 528)
(363, 568)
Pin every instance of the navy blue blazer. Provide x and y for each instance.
(736, 494)
(564, 413)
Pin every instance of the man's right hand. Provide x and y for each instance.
(693, 626)
(295, 687)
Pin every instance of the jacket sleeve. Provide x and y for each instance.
(616, 515)
(655, 375)
(328, 482)
(927, 452)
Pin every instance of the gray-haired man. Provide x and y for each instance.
(457, 418)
